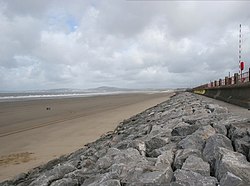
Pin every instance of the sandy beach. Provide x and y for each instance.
(31, 135)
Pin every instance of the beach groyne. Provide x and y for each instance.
(183, 141)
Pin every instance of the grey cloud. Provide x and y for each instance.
(53, 44)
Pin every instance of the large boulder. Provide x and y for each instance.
(190, 178)
(155, 143)
(182, 154)
(240, 135)
(197, 139)
(238, 130)
(220, 128)
(165, 160)
(216, 108)
(233, 162)
(139, 145)
(205, 132)
(139, 175)
(183, 129)
(196, 164)
(243, 145)
(157, 178)
(111, 182)
(55, 174)
(212, 146)
(65, 182)
(100, 179)
(193, 141)
(230, 179)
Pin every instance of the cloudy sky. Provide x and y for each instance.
(48, 44)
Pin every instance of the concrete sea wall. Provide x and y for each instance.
(183, 141)
(238, 94)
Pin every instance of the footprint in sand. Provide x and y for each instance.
(13, 159)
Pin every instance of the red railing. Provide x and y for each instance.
(245, 77)
(227, 81)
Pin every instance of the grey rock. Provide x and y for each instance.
(165, 160)
(230, 179)
(97, 180)
(77, 154)
(19, 178)
(197, 139)
(155, 143)
(190, 178)
(242, 146)
(220, 128)
(189, 120)
(128, 155)
(6, 183)
(65, 182)
(106, 161)
(157, 152)
(177, 184)
(182, 154)
(90, 151)
(78, 175)
(204, 121)
(234, 162)
(183, 129)
(100, 153)
(196, 164)
(123, 144)
(238, 130)
(155, 130)
(193, 141)
(51, 164)
(156, 178)
(132, 175)
(139, 145)
(216, 108)
(120, 169)
(176, 139)
(205, 132)
(56, 173)
(212, 147)
(112, 182)
(239, 134)
(87, 163)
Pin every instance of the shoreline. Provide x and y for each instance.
(71, 123)
(42, 96)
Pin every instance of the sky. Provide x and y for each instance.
(81, 44)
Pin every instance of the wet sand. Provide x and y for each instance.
(31, 135)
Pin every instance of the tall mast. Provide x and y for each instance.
(240, 50)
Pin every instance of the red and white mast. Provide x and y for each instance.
(240, 50)
(241, 63)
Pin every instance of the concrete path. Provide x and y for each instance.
(232, 108)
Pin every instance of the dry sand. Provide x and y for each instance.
(31, 135)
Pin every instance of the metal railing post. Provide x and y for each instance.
(236, 78)
(226, 80)
(249, 74)
(220, 82)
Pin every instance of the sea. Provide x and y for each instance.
(22, 96)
